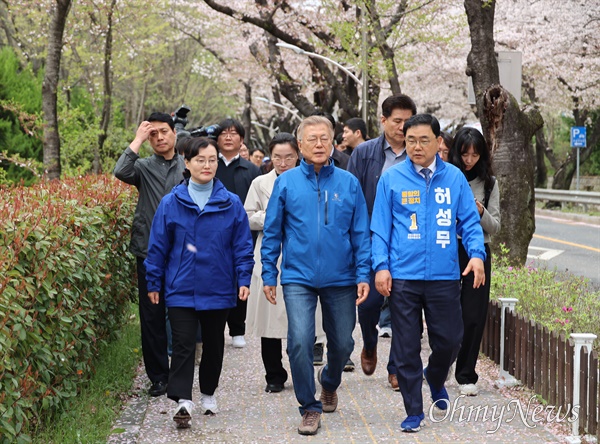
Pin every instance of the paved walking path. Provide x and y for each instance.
(368, 412)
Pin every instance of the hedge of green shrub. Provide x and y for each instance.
(560, 301)
(65, 280)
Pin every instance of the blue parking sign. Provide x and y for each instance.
(578, 137)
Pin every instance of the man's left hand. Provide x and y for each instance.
(475, 265)
(362, 293)
(243, 294)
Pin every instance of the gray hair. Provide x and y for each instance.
(312, 121)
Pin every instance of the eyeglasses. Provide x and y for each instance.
(202, 162)
(313, 140)
(414, 142)
(287, 159)
(231, 134)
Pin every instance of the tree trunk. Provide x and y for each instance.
(541, 171)
(49, 89)
(508, 131)
(246, 117)
(97, 165)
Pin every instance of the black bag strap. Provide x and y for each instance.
(488, 192)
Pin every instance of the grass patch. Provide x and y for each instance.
(88, 418)
(557, 300)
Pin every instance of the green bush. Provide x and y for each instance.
(560, 301)
(65, 281)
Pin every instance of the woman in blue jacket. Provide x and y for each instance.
(200, 249)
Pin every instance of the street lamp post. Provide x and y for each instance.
(279, 105)
(361, 83)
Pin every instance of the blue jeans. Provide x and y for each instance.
(385, 318)
(338, 305)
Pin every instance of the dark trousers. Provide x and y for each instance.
(440, 300)
(474, 303)
(153, 330)
(270, 349)
(184, 325)
(237, 319)
(368, 318)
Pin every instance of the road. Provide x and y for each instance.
(567, 245)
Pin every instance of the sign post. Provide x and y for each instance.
(578, 140)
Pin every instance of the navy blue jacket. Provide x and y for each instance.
(321, 225)
(202, 256)
(366, 163)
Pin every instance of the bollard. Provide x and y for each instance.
(581, 340)
(506, 379)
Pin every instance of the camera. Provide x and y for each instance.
(180, 119)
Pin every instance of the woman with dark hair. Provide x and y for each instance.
(470, 153)
(200, 249)
(265, 320)
(444, 148)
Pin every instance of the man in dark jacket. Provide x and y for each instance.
(236, 174)
(368, 162)
(154, 177)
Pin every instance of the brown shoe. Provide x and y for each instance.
(329, 400)
(393, 380)
(311, 421)
(368, 361)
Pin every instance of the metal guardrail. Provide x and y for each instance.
(579, 197)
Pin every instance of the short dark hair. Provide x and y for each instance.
(468, 137)
(257, 148)
(162, 117)
(284, 138)
(423, 119)
(326, 115)
(231, 123)
(398, 101)
(448, 139)
(195, 144)
(356, 123)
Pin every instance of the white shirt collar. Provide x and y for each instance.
(228, 162)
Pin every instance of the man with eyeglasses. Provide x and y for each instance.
(368, 162)
(420, 207)
(154, 177)
(317, 217)
(236, 173)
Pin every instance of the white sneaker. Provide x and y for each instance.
(238, 342)
(183, 413)
(385, 332)
(198, 353)
(468, 389)
(208, 403)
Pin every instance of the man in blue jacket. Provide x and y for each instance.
(368, 162)
(420, 207)
(317, 217)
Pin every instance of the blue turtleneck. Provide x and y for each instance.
(200, 192)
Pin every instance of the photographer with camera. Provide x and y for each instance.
(236, 174)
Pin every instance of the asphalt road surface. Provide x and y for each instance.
(567, 245)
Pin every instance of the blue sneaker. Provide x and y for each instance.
(412, 423)
(440, 397)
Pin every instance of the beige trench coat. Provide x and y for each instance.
(264, 319)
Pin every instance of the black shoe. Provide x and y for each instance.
(318, 354)
(158, 388)
(273, 388)
(349, 367)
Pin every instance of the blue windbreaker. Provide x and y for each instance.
(203, 257)
(321, 225)
(414, 226)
